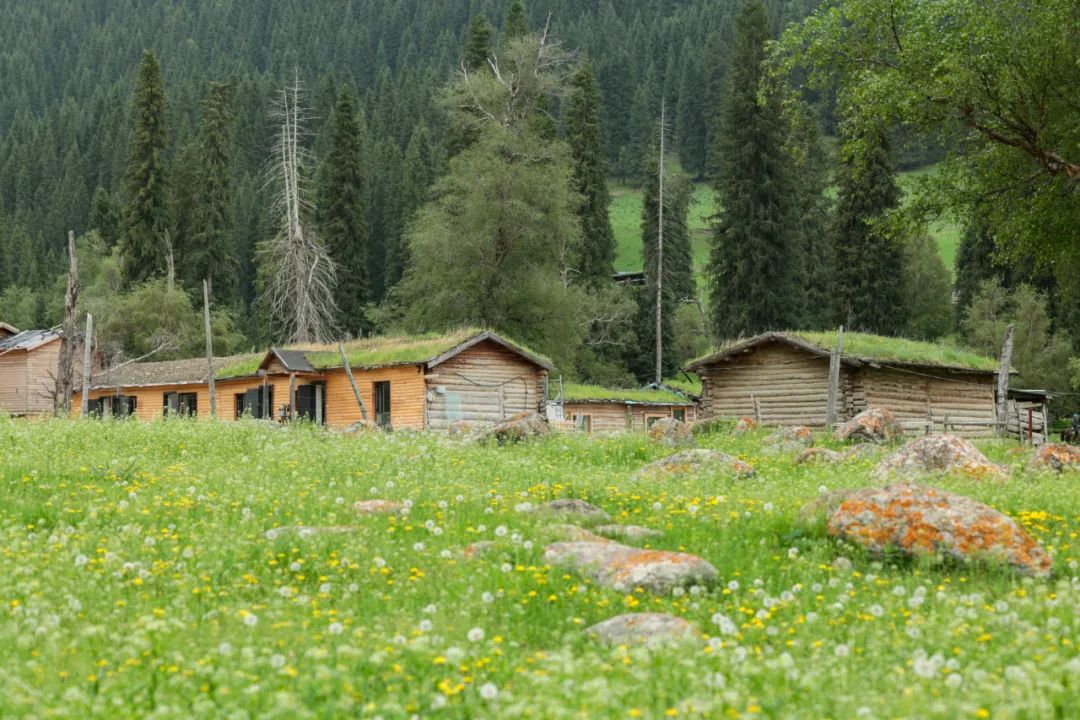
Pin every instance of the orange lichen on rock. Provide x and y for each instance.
(917, 521)
(744, 425)
(625, 568)
(939, 454)
(1056, 457)
(697, 460)
(672, 433)
(871, 425)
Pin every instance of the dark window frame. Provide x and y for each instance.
(382, 403)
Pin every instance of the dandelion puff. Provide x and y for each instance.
(487, 597)
(876, 610)
(501, 531)
(277, 661)
(224, 649)
(954, 680)
(446, 554)
(81, 560)
(733, 585)
(438, 702)
(715, 680)
(418, 547)
(488, 691)
(335, 628)
(476, 635)
(527, 545)
(431, 609)
(842, 650)
(324, 588)
(251, 619)
(426, 625)
(295, 566)
(506, 567)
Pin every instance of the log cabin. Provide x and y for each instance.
(784, 377)
(415, 382)
(29, 361)
(593, 409)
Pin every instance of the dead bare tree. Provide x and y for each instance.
(299, 290)
(66, 369)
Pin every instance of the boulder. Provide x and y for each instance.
(795, 435)
(939, 454)
(648, 629)
(625, 568)
(744, 425)
(517, 428)
(671, 433)
(306, 531)
(708, 426)
(1056, 457)
(876, 425)
(697, 460)
(572, 533)
(570, 508)
(815, 514)
(920, 521)
(380, 507)
(627, 532)
(817, 455)
(459, 427)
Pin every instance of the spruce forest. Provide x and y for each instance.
(432, 165)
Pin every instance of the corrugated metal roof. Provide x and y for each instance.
(28, 340)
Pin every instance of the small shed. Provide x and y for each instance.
(786, 376)
(595, 409)
(7, 331)
(1027, 415)
(29, 363)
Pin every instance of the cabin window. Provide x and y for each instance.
(311, 403)
(582, 422)
(97, 406)
(123, 405)
(257, 402)
(382, 404)
(679, 414)
(178, 403)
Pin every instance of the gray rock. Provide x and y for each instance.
(570, 508)
(624, 568)
(876, 425)
(672, 433)
(942, 454)
(648, 629)
(380, 507)
(627, 532)
(697, 460)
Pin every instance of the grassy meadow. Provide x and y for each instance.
(137, 578)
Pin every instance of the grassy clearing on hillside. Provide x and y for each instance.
(137, 579)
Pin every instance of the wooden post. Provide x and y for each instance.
(88, 340)
(292, 396)
(945, 424)
(834, 379)
(1003, 377)
(209, 350)
(929, 422)
(352, 381)
(1031, 426)
(65, 370)
(757, 409)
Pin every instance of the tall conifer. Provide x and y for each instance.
(210, 253)
(515, 25)
(478, 45)
(417, 176)
(342, 221)
(146, 211)
(590, 178)
(753, 283)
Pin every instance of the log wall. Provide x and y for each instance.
(615, 416)
(483, 384)
(966, 399)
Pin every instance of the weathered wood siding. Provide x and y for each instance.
(791, 386)
(937, 394)
(615, 416)
(28, 379)
(483, 384)
(1026, 420)
(406, 395)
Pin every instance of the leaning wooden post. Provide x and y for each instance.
(292, 396)
(1003, 378)
(88, 340)
(352, 381)
(65, 370)
(757, 409)
(209, 350)
(834, 379)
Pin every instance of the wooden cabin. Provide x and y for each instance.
(7, 331)
(784, 378)
(419, 382)
(29, 362)
(1027, 415)
(603, 410)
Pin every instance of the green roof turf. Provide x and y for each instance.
(573, 392)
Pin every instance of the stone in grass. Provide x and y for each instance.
(795, 435)
(570, 508)
(572, 533)
(744, 425)
(920, 521)
(648, 629)
(672, 433)
(516, 428)
(812, 455)
(478, 549)
(876, 425)
(815, 514)
(939, 454)
(697, 460)
(306, 531)
(627, 532)
(380, 507)
(625, 568)
(1056, 457)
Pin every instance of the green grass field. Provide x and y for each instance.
(138, 579)
(626, 222)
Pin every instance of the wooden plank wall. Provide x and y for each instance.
(149, 404)
(791, 386)
(484, 384)
(1016, 421)
(406, 395)
(611, 417)
(13, 382)
(964, 398)
(28, 379)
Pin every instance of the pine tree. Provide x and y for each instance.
(590, 178)
(146, 211)
(515, 25)
(210, 253)
(753, 283)
(868, 261)
(105, 216)
(342, 221)
(418, 174)
(974, 264)
(478, 45)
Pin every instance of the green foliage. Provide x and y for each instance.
(868, 258)
(146, 211)
(754, 260)
(590, 178)
(927, 290)
(574, 391)
(478, 46)
(341, 212)
(515, 25)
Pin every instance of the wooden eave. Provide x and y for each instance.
(488, 335)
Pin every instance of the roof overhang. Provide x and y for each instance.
(295, 361)
(750, 344)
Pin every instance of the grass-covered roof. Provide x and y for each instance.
(869, 348)
(573, 392)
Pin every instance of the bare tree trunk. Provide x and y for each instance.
(209, 349)
(66, 370)
(834, 379)
(352, 381)
(1003, 377)
(660, 258)
(88, 341)
(170, 263)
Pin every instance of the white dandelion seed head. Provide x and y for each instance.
(476, 635)
(488, 691)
